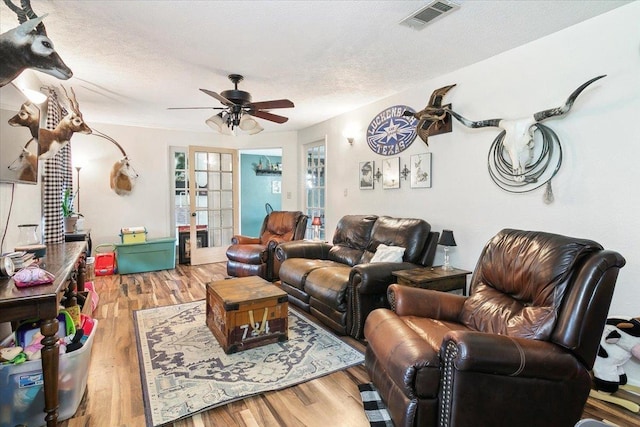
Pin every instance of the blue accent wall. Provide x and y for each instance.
(256, 191)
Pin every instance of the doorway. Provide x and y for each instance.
(260, 187)
(213, 203)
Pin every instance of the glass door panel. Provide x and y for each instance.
(214, 202)
(315, 186)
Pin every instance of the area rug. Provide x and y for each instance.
(374, 407)
(185, 371)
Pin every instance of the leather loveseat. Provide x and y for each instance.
(338, 283)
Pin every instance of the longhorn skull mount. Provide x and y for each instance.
(511, 159)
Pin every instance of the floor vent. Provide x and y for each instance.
(420, 18)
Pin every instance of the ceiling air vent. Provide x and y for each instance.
(420, 18)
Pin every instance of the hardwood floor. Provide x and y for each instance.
(114, 392)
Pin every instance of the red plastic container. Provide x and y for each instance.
(105, 263)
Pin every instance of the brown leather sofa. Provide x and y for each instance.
(337, 283)
(254, 256)
(516, 352)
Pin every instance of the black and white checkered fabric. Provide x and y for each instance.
(57, 175)
(374, 407)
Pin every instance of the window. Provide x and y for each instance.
(180, 190)
(315, 185)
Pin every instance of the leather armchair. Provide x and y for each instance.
(516, 352)
(254, 256)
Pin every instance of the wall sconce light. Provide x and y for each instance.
(378, 175)
(316, 223)
(447, 240)
(350, 140)
(405, 172)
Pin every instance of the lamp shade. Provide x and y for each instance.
(249, 125)
(316, 221)
(446, 238)
(218, 123)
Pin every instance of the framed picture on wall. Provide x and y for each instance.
(366, 175)
(276, 187)
(391, 173)
(421, 170)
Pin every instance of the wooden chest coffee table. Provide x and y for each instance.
(246, 312)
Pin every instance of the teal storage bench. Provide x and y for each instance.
(152, 255)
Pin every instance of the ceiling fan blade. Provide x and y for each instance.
(268, 105)
(220, 98)
(267, 116)
(196, 108)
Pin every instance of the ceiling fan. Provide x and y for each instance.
(237, 105)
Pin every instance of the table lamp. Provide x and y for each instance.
(316, 223)
(447, 240)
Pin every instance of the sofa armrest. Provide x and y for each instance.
(410, 301)
(519, 357)
(367, 290)
(245, 240)
(302, 249)
(375, 277)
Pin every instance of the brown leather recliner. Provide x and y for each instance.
(516, 352)
(253, 256)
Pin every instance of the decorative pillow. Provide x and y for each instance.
(386, 253)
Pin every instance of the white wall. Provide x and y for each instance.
(149, 203)
(25, 210)
(596, 190)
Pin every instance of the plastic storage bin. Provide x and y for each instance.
(22, 397)
(154, 254)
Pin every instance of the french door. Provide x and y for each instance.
(213, 203)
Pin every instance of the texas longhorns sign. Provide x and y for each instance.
(511, 159)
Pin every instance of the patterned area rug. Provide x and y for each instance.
(185, 371)
(374, 407)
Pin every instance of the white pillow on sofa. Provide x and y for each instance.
(386, 253)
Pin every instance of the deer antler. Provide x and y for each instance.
(108, 138)
(73, 102)
(22, 16)
(25, 14)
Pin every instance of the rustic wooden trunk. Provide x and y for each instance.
(246, 312)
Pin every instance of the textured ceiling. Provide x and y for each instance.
(133, 59)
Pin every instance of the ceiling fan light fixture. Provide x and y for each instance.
(219, 124)
(249, 125)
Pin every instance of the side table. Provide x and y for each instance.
(80, 236)
(434, 278)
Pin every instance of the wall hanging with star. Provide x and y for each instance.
(391, 131)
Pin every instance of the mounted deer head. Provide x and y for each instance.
(28, 116)
(51, 141)
(25, 166)
(123, 177)
(27, 46)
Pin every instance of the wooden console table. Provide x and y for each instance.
(67, 262)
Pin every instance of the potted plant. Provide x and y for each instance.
(70, 217)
